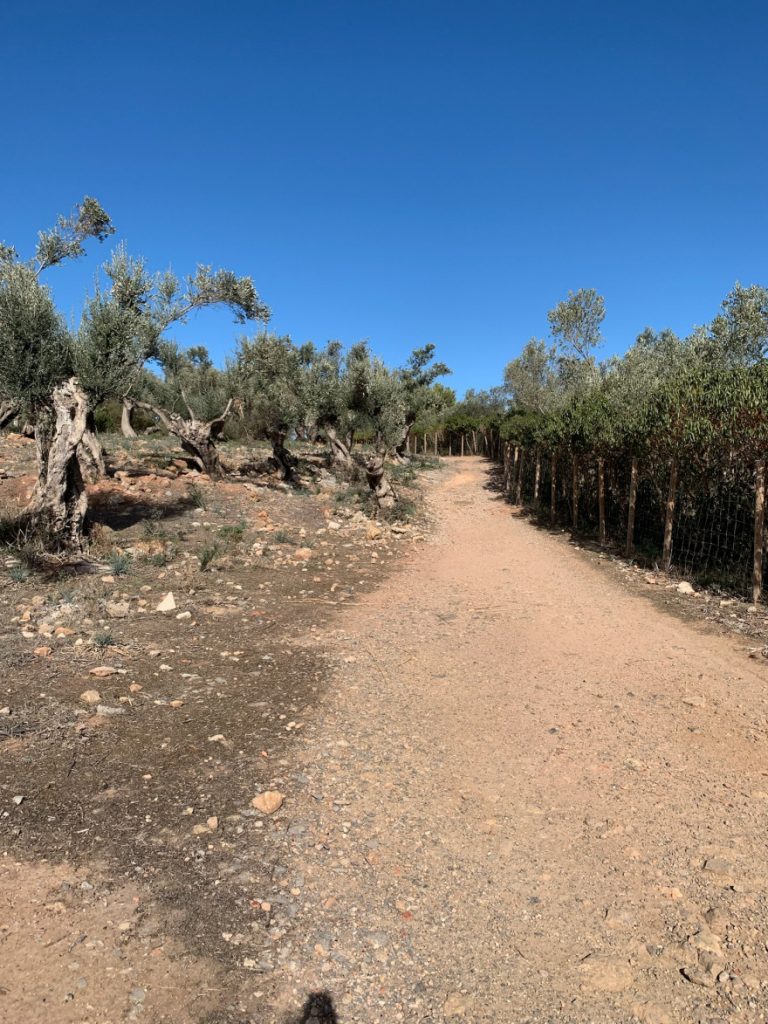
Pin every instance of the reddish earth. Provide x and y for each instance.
(515, 789)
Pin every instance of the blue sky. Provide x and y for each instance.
(407, 171)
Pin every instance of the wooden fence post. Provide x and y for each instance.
(537, 478)
(435, 442)
(575, 492)
(462, 444)
(552, 489)
(757, 565)
(601, 499)
(513, 477)
(631, 509)
(519, 487)
(666, 558)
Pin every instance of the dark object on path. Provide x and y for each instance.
(318, 1009)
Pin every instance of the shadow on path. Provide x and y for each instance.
(318, 1009)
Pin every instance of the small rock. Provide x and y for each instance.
(167, 604)
(685, 588)
(268, 802)
(615, 918)
(106, 710)
(718, 866)
(698, 977)
(43, 652)
(606, 974)
(18, 800)
(456, 1005)
(706, 941)
(650, 1013)
(102, 671)
(184, 615)
(716, 920)
(212, 823)
(90, 696)
(117, 609)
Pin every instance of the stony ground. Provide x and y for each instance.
(478, 776)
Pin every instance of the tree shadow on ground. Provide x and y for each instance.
(119, 510)
(541, 519)
(318, 1009)
(538, 517)
(494, 478)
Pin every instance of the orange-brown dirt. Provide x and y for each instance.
(515, 790)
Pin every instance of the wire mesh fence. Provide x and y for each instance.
(704, 522)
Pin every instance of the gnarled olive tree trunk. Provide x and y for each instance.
(401, 452)
(126, 426)
(8, 412)
(59, 504)
(92, 454)
(378, 481)
(198, 438)
(286, 460)
(340, 452)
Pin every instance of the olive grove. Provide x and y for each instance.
(121, 352)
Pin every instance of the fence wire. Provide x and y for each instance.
(712, 526)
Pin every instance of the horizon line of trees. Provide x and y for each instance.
(702, 398)
(694, 397)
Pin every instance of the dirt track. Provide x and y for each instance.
(556, 794)
(528, 795)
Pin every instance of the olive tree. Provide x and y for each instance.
(60, 375)
(171, 301)
(328, 399)
(418, 398)
(377, 398)
(269, 376)
(740, 331)
(38, 367)
(575, 324)
(193, 401)
(531, 378)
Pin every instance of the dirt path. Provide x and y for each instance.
(533, 796)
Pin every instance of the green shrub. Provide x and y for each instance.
(119, 563)
(208, 555)
(108, 416)
(233, 534)
(197, 496)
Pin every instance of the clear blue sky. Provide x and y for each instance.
(403, 170)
